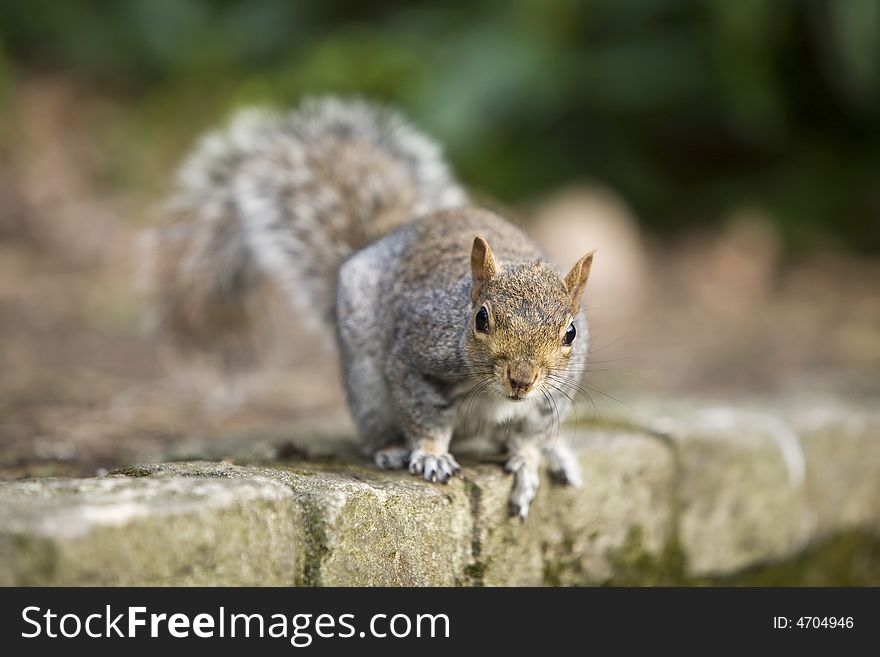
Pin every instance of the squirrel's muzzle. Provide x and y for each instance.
(521, 377)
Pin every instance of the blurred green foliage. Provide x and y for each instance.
(689, 109)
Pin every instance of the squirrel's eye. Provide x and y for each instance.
(481, 323)
(568, 338)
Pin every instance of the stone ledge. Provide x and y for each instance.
(740, 492)
(146, 531)
(682, 494)
(368, 527)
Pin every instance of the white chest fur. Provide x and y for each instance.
(484, 428)
(485, 413)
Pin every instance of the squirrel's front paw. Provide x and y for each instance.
(433, 467)
(525, 485)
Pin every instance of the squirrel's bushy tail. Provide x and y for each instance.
(289, 197)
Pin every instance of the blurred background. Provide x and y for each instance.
(723, 157)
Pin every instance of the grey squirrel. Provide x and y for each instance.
(449, 320)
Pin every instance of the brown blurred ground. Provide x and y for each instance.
(83, 386)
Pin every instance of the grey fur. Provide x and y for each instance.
(358, 219)
(288, 195)
(411, 362)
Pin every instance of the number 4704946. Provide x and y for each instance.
(817, 622)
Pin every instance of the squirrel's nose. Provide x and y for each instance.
(521, 380)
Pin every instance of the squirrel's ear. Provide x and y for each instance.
(577, 279)
(483, 266)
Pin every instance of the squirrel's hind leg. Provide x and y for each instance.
(392, 457)
(563, 464)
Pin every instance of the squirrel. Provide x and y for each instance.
(449, 321)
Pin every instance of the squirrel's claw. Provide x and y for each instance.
(520, 512)
(433, 467)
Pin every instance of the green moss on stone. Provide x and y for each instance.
(564, 566)
(632, 565)
(313, 547)
(27, 561)
(133, 471)
(476, 570)
(848, 559)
